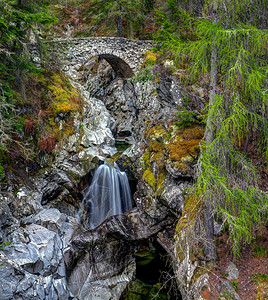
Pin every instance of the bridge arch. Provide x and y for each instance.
(120, 66)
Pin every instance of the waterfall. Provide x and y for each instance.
(109, 194)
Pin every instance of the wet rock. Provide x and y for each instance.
(65, 226)
(17, 283)
(108, 250)
(36, 249)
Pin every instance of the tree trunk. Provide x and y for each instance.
(130, 30)
(209, 247)
(119, 26)
(212, 93)
(19, 74)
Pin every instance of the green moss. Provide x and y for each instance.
(235, 285)
(185, 226)
(156, 146)
(148, 176)
(259, 251)
(146, 158)
(261, 282)
(160, 182)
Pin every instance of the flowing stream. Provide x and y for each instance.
(108, 194)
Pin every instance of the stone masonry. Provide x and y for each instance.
(125, 56)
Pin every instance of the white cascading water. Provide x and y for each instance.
(109, 194)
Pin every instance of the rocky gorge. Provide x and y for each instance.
(48, 254)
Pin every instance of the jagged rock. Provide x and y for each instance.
(36, 249)
(17, 283)
(232, 271)
(108, 250)
(228, 289)
(34, 257)
(168, 91)
(27, 202)
(65, 226)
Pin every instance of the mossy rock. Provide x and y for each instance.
(160, 182)
(158, 133)
(186, 226)
(146, 158)
(148, 176)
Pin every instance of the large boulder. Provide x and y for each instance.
(103, 259)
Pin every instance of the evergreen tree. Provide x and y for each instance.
(15, 21)
(116, 12)
(234, 54)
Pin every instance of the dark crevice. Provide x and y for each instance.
(121, 68)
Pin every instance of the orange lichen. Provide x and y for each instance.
(183, 146)
(183, 150)
(195, 132)
(177, 147)
(156, 146)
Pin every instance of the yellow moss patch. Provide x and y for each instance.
(160, 180)
(156, 133)
(148, 176)
(146, 158)
(189, 214)
(186, 225)
(150, 57)
(63, 101)
(68, 129)
(158, 157)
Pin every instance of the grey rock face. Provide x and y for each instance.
(232, 271)
(65, 226)
(103, 257)
(174, 194)
(97, 124)
(32, 266)
(36, 249)
(17, 283)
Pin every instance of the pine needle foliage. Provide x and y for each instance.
(239, 108)
(113, 13)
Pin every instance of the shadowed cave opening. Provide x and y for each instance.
(155, 278)
(120, 67)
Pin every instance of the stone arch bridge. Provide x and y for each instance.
(125, 56)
